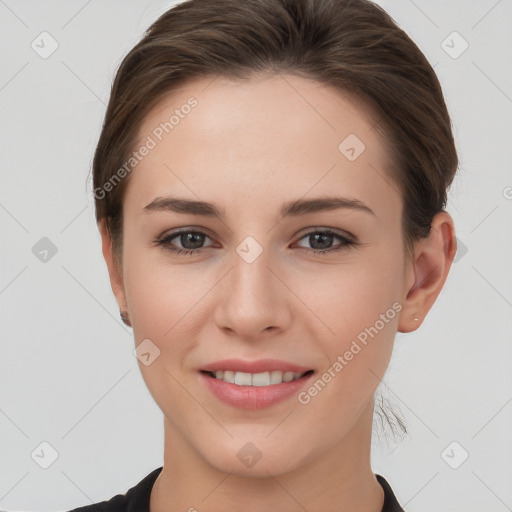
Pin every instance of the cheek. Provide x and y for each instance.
(359, 308)
(160, 296)
(163, 306)
(354, 296)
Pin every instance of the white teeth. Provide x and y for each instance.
(276, 377)
(288, 377)
(261, 379)
(228, 376)
(256, 379)
(243, 379)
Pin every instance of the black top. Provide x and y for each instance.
(136, 499)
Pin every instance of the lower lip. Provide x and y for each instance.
(252, 397)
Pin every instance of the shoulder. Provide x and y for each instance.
(390, 502)
(136, 499)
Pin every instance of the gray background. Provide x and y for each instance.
(68, 375)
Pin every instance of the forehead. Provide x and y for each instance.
(281, 135)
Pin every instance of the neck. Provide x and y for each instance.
(339, 480)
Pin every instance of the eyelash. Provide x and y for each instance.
(164, 241)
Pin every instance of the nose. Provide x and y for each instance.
(253, 301)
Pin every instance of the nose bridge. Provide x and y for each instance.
(251, 278)
(251, 299)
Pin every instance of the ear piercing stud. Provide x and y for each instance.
(124, 318)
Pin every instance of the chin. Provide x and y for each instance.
(258, 459)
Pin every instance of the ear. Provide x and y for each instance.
(114, 268)
(427, 274)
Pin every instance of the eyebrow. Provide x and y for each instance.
(289, 209)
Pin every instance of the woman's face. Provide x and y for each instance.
(319, 288)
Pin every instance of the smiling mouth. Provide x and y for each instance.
(256, 379)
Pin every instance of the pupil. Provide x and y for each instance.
(189, 237)
(320, 235)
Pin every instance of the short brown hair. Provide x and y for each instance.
(353, 45)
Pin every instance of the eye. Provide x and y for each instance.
(191, 241)
(321, 241)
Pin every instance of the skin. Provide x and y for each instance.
(249, 147)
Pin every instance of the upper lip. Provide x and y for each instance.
(259, 366)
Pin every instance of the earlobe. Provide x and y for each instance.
(432, 261)
(114, 270)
